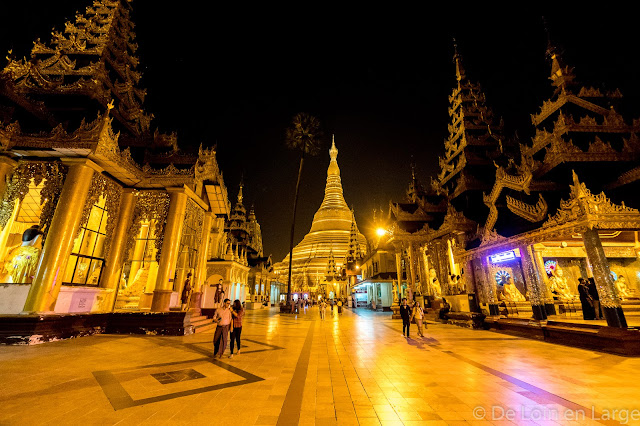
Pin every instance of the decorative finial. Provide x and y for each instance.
(240, 192)
(110, 107)
(457, 59)
(413, 169)
(550, 47)
(578, 189)
(333, 152)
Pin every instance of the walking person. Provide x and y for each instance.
(237, 312)
(339, 306)
(323, 308)
(223, 318)
(186, 293)
(418, 314)
(405, 314)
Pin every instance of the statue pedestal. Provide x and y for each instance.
(194, 301)
(396, 312)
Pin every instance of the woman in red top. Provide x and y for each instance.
(237, 312)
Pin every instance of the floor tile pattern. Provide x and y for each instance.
(355, 368)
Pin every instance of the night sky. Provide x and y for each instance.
(377, 78)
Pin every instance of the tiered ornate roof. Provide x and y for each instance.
(88, 69)
(92, 58)
(523, 194)
(474, 143)
(354, 253)
(244, 230)
(579, 126)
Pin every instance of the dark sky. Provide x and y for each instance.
(377, 78)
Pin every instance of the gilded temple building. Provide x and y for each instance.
(516, 244)
(101, 211)
(333, 234)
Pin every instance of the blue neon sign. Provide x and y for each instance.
(503, 257)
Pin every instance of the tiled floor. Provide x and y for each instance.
(355, 368)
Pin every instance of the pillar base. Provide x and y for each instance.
(494, 309)
(161, 300)
(550, 308)
(396, 311)
(615, 317)
(196, 301)
(539, 312)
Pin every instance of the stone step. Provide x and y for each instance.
(203, 328)
(202, 321)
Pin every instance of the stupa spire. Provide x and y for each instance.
(333, 207)
(457, 59)
(561, 74)
(240, 192)
(330, 231)
(333, 152)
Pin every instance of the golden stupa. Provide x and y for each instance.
(330, 233)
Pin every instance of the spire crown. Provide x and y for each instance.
(457, 59)
(333, 152)
(333, 169)
(240, 193)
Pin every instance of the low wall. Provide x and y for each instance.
(34, 329)
(619, 341)
(13, 297)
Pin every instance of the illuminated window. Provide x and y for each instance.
(140, 269)
(188, 249)
(87, 255)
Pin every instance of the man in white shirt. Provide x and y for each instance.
(223, 318)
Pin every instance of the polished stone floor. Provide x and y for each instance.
(353, 368)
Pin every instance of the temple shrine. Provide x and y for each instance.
(102, 212)
(507, 228)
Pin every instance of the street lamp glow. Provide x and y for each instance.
(381, 232)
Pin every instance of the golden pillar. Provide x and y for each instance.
(61, 235)
(111, 274)
(534, 283)
(539, 264)
(7, 166)
(398, 292)
(609, 299)
(201, 268)
(412, 270)
(490, 287)
(170, 247)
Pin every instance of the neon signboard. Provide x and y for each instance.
(504, 256)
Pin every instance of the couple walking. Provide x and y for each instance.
(408, 313)
(229, 319)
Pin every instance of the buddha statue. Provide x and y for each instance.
(21, 262)
(559, 286)
(511, 292)
(435, 284)
(623, 289)
(139, 283)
